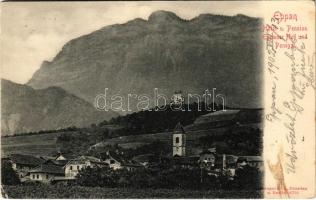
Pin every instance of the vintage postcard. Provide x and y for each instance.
(158, 99)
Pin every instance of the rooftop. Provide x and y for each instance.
(186, 160)
(250, 158)
(48, 168)
(83, 159)
(145, 158)
(26, 159)
(179, 129)
(56, 162)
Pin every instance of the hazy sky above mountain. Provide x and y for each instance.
(33, 32)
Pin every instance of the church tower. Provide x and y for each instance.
(178, 141)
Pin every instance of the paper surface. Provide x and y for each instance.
(84, 82)
(290, 100)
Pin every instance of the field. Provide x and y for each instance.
(45, 144)
(137, 140)
(59, 191)
(38, 144)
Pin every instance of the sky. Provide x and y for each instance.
(36, 31)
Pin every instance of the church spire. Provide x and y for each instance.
(179, 128)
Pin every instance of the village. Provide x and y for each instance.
(48, 169)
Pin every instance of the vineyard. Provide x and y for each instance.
(60, 191)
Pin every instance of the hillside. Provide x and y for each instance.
(37, 145)
(138, 140)
(24, 109)
(50, 143)
(164, 52)
(239, 131)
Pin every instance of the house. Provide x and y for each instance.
(113, 160)
(226, 161)
(252, 161)
(46, 173)
(241, 162)
(59, 160)
(23, 163)
(146, 159)
(207, 159)
(216, 164)
(116, 161)
(73, 166)
(132, 166)
(60, 157)
(189, 162)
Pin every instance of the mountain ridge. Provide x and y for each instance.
(164, 52)
(24, 109)
(200, 17)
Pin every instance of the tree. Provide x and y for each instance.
(97, 176)
(140, 179)
(248, 178)
(8, 175)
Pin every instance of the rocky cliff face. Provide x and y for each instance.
(164, 52)
(24, 109)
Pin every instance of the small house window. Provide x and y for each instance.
(70, 167)
(37, 176)
(33, 176)
(78, 167)
(177, 139)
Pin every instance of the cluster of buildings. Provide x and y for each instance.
(48, 169)
(59, 168)
(213, 163)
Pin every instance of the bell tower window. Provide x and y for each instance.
(178, 140)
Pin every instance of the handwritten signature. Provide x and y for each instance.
(301, 79)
